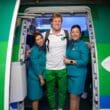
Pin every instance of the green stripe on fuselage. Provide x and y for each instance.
(103, 52)
(16, 45)
(7, 8)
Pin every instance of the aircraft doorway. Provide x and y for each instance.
(42, 23)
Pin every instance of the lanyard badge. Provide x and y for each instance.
(63, 38)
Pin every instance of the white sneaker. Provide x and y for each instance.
(84, 95)
(60, 109)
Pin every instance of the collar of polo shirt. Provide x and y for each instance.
(61, 33)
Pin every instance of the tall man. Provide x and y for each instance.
(56, 76)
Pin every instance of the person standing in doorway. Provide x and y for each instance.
(76, 59)
(35, 79)
(56, 75)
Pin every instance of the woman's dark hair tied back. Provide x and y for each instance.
(76, 26)
(37, 33)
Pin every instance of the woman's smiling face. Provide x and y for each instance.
(39, 40)
(75, 33)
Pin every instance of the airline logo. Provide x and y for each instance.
(106, 63)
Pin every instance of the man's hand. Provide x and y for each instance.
(89, 45)
(28, 53)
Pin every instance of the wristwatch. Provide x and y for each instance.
(71, 61)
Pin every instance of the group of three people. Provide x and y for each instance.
(60, 63)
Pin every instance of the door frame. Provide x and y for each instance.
(33, 12)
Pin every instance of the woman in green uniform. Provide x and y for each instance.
(36, 70)
(76, 60)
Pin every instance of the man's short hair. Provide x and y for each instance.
(56, 15)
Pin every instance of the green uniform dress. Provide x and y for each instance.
(77, 50)
(36, 67)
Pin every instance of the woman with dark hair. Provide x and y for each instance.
(36, 71)
(76, 60)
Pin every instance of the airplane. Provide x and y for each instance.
(18, 20)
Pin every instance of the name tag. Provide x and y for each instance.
(63, 38)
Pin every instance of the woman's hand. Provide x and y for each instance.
(42, 81)
(66, 61)
(69, 61)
